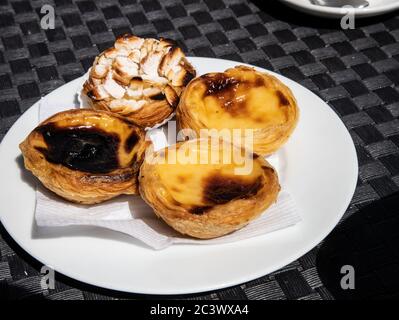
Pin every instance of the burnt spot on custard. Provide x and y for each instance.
(131, 141)
(260, 82)
(282, 99)
(219, 84)
(224, 89)
(219, 189)
(86, 149)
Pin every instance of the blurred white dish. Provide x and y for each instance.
(375, 8)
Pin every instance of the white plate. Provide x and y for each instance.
(320, 169)
(376, 7)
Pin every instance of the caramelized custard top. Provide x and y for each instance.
(199, 186)
(87, 149)
(89, 141)
(238, 98)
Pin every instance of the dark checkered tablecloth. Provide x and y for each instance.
(356, 71)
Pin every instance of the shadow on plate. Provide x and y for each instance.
(369, 242)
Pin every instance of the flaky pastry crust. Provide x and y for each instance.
(241, 98)
(138, 78)
(208, 201)
(86, 156)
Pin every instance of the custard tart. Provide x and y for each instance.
(204, 190)
(86, 156)
(138, 78)
(243, 99)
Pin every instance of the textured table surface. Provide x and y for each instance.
(355, 71)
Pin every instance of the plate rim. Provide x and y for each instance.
(331, 12)
(234, 280)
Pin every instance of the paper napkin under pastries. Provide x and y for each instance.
(132, 216)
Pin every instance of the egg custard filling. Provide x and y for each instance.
(86, 156)
(93, 143)
(237, 99)
(196, 174)
(207, 189)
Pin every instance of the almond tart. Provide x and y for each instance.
(86, 156)
(200, 190)
(244, 99)
(138, 78)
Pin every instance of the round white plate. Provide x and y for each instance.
(320, 169)
(376, 7)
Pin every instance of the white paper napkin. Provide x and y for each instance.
(132, 216)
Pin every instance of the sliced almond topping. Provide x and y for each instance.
(101, 93)
(129, 42)
(135, 55)
(149, 65)
(172, 59)
(136, 70)
(99, 71)
(178, 78)
(103, 60)
(113, 88)
(126, 67)
(151, 91)
(160, 80)
(110, 53)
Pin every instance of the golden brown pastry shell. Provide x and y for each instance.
(266, 140)
(216, 221)
(149, 116)
(173, 72)
(82, 186)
